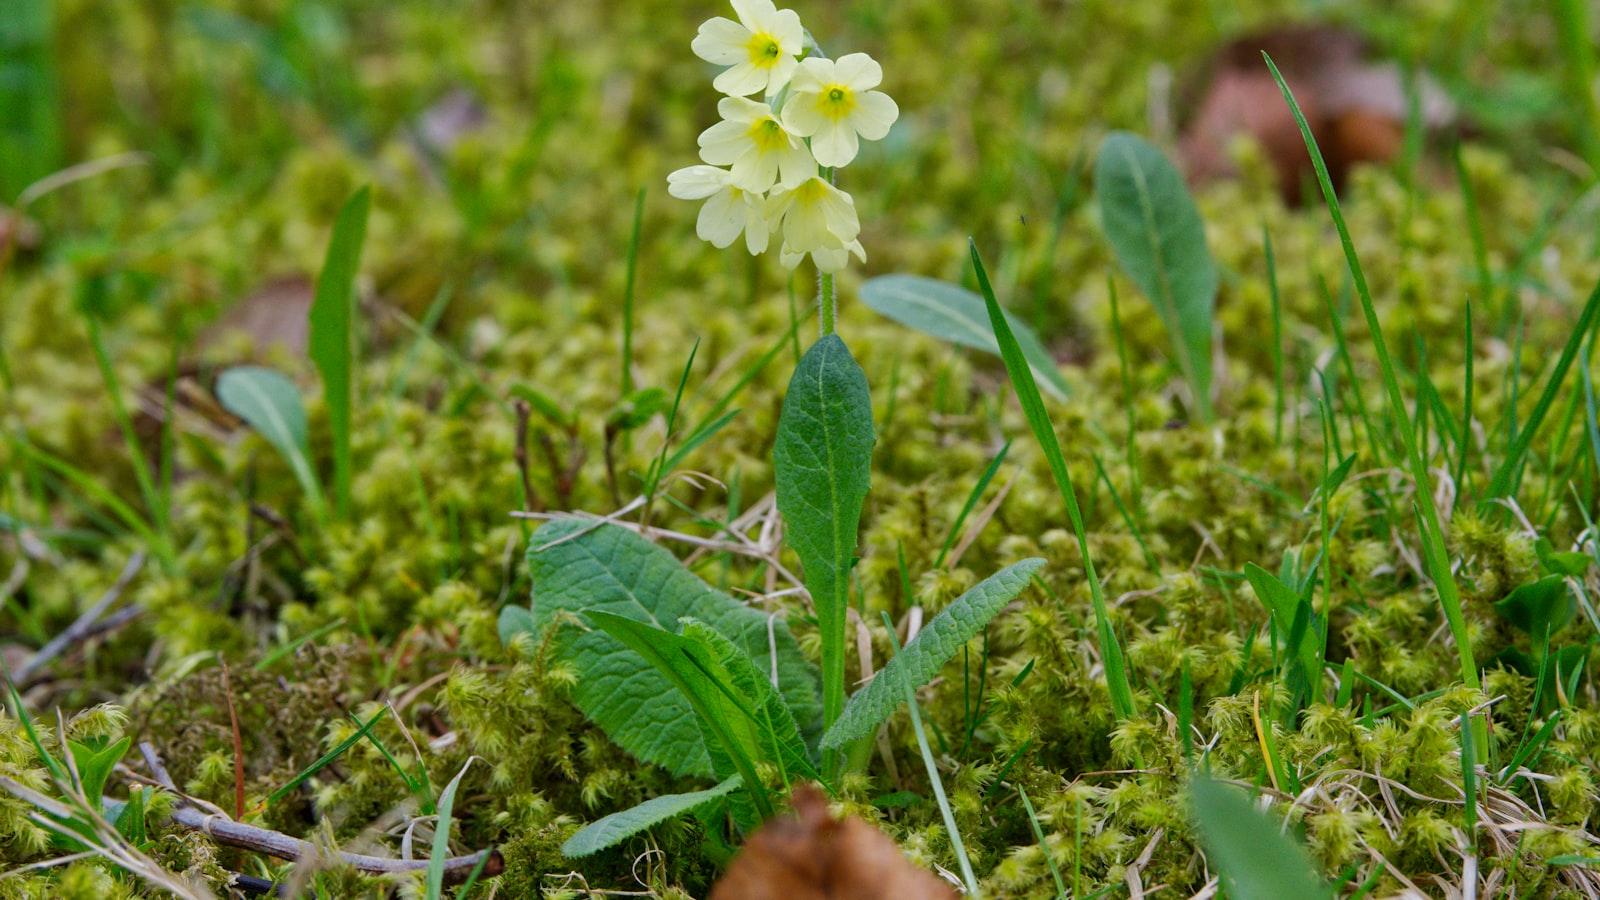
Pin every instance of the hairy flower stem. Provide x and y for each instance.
(827, 302)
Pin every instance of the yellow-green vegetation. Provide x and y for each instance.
(1263, 604)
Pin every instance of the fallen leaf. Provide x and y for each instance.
(810, 855)
(1356, 105)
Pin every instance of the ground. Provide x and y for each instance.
(506, 146)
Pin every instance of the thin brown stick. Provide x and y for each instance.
(84, 625)
(261, 840)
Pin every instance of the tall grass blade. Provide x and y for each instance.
(1433, 541)
(1122, 701)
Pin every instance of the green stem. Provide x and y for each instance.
(827, 303)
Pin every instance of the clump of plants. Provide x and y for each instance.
(395, 498)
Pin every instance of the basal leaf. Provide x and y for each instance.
(1538, 606)
(270, 403)
(822, 462)
(619, 826)
(95, 761)
(955, 314)
(331, 338)
(1155, 231)
(579, 567)
(1257, 861)
(921, 659)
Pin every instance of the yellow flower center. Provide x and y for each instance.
(811, 191)
(768, 135)
(764, 50)
(836, 100)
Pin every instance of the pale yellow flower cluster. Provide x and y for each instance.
(762, 175)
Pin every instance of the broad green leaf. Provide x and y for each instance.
(619, 826)
(270, 403)
(331, 338)
(1539, 607)
(1155, 231)
(921, 659)
(579, 567)
(1022, 381)
(1284, 603)
(756, 699)
(955, 314)
(822, 462)
(1257, 861)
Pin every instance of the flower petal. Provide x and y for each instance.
(696, 182)
(721, 219)
(875, 111)
(812, 74)
(741, 80)
(787, 29)
(835, 145)
(802, 114)
(721, 41)
(723, 143)
(757, 15)
(742, 109)
(755, 171)
(779, 75)
(858, 71)
(796, 164)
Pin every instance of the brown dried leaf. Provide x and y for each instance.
(273, 315)
(811, 855)
(1356, 106)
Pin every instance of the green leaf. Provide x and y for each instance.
(130, 818)
(1561, 562)
(1539, 605)
(1155, 231)
(441, 833)
(619, 826)
(1022, 381)
(933, 646)
(709, 690)
(955, 314)
(331, 339)
(822, 463)
(578, 567)
(270, 403)
(95, 762)
(1256, 860)
(514, 621)
(1284, 603)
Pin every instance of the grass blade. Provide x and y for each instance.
(331, 341)
(327, 758)
(441, 833)
(1039, 421)
(1433, 542)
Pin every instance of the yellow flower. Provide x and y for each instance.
(759, 49)
(755, 143)
(833, 101)
(728, 211)
(816, 218)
